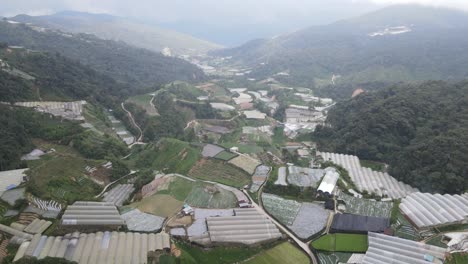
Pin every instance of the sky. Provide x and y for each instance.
(228, 22)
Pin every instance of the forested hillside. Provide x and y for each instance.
(137, 67)
(425, 43)
(56, 78)
(420, 130)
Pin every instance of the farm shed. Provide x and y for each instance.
(328, 183)
(119, 194)
(20, 236)
(429, 210)
(142, 222)
(350, 223)
(92, 214)
(10, 179)
(254, 114)
(248, 227)
(389, 249)
(100, 247)
(380, 183)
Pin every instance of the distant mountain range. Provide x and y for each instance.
(130, 31)
(397, 43)
(125, 63)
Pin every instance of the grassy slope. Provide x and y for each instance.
(59, 175)
(283, 253)
(457, 258)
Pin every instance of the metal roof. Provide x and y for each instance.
(119, 194)
(100, 247)
(428, 210)
(385, 249)
(92, 213)
(248, 226)
(37, 226)
(380, 183)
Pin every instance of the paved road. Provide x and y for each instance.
(302, 245)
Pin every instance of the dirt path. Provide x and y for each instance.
(140, 137)
(110, 184)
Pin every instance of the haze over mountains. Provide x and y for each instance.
(398, 43)
(110, 27)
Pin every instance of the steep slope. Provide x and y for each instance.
(420, 130)
(399, 43)
(138, 67)
(120, 29)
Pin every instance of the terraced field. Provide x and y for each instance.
(217, 171)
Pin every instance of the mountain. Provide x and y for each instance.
(135, 66)
(121, 29)
(397, 43)
(420, 130)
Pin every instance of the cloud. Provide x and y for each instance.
(455, 4)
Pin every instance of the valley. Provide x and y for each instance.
(112, 152)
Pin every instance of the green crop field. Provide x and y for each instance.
(283, 253)
(202, 196)
(59, 175)
(159, 204)
(342, 243)
(333, 258)
(218, 171)
(366, 207)
(225, 155)
(169, 155)
(247, 149)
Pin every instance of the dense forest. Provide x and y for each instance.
(420, 130)
(137, 67)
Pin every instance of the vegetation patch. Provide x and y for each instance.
(144, 101)
(169, 155)
(457, 258)
(211, 196)
(163, 205)
(217, 171)
(225, 155)
(342, 243)
(366, 207)
(283, 253)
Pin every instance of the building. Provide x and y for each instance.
(100, 247)
(389, 249)
(88, 214)
(295, 115)
(328, 184)
(358, 224)
(427, 210)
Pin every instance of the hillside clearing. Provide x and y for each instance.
(217, 171)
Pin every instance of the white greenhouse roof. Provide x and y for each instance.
(428, 210)
(385, 249)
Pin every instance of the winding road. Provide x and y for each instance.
(140, 137)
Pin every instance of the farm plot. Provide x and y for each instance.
(217, 171)
(210, 150)
(304, 177)
(144, 101)
(210, 196)
(198, 226)
(160, 204)
(404, 229)
(333, 258)
(310, 220)
(342, 243)
(245, 163)
(283, 210)
(225, 155)
(282, 253)
(259, 177)
(366, 207)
